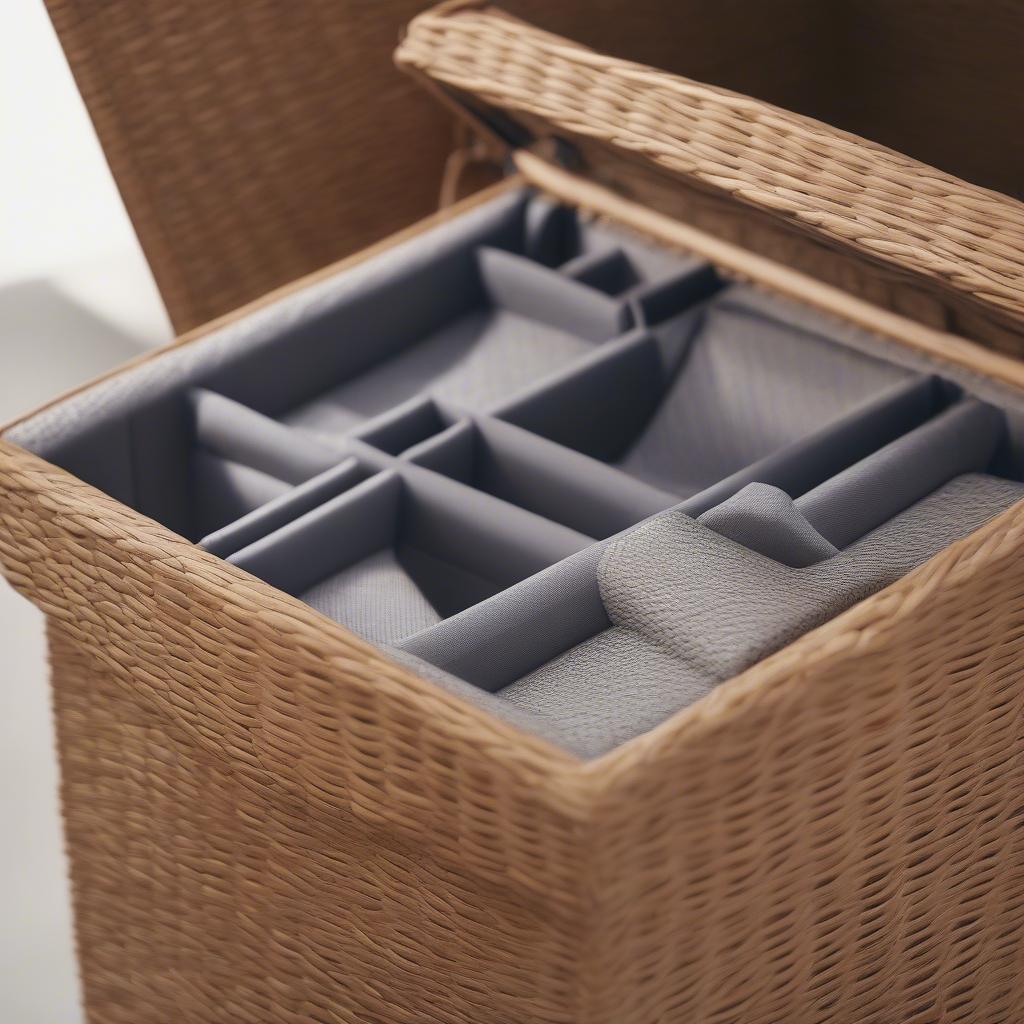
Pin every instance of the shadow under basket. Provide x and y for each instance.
(601, 603)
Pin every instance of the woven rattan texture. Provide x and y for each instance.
(854, 193)
(202, 895)
(835, 836)
(266, 821)
(253, 143)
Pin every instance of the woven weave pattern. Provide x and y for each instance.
(861, 195)
(269, 822)
(253, 143)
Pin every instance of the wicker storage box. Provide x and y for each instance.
(272, 818)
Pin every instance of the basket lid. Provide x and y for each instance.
(843, 209)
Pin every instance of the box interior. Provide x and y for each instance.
(571, 475)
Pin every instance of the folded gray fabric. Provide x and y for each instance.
(765, 519)
(690, 609)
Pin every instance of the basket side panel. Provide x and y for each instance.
(835, 835)
(201, 898)
(267, 820)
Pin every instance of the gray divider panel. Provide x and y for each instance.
(598, 406)
(512, 633)
(609, 270)
(224, 491)
(962, 439)
(241, 434)
(547, 478)
(379, 555)
(517, 322)
(593, 496)
(805, 463)
(400, 429)
(518, 285)
(746, 388)
(702, 396)
(284, 506)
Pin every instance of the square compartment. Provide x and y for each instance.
(404, 550)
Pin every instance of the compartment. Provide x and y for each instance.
(405, 550)
(241, 461)
(276, 511)
(513, 323)
(408, 426)
(536, 474)
(615, 639)
(704, 395)
(560, 483)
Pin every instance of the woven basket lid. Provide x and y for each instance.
(839, 207)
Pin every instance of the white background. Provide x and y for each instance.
(75, 298)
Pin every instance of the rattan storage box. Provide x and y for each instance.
(758, 785)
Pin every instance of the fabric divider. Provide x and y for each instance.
(536, 474)
(394, 301)
(804, 464)
(696, 399)
(240, 434)
(284, 506)
(667, 298)
(861, 498)
(224, 491)
(554, 478)
(598, 406)
(608, 270)
(963, 439)
(520, 628)
(519, 285)
(404, 549)
(407, 426)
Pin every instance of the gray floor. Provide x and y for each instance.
(75, 299)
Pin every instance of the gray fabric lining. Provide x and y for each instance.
(962, 439)
(279, 328)
(310, 443)
(455, 546)
(236, 432)
(531, 323)
(847, 506)
(263, 515)
(537, 474)
(746, 388)
(375, 597)
(553, 610)
(690, 608)
(226, 491)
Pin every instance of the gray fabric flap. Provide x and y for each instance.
(764, 519)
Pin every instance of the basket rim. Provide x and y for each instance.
(580, 784)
